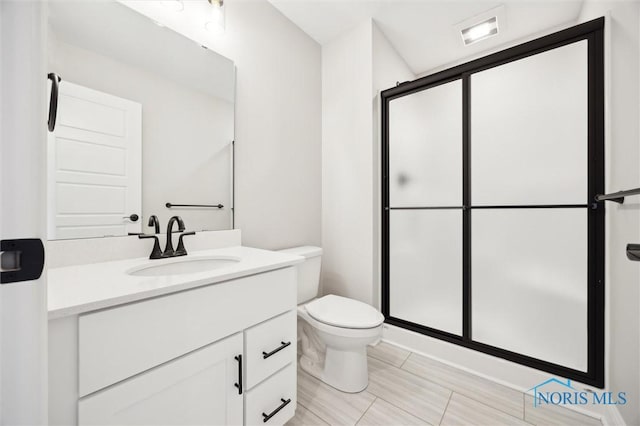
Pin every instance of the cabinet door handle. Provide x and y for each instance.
(239, 384)
(274, 412)
(283, 345)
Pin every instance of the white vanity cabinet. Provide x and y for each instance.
(219, 354)
(195, 389)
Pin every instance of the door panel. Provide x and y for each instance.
(425, 251)
(529, 275)
(196, 389)
(425, 147)
(23, 305)
(529, 130)
(94, 164)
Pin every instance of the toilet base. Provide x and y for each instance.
(345, 370)
(339, 361)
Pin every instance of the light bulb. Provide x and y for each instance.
(480, 31)
(215, 23)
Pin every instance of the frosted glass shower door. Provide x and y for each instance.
(529, 275)
(529, 206)
(492, 235)
(425, 203)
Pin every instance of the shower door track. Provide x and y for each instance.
(593, 32)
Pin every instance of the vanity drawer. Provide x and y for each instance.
(120, 342)
(269, 347)
(275, 397)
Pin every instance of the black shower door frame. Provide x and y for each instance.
(593, 32)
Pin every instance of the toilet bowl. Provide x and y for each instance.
(334, 331)
(335, 339)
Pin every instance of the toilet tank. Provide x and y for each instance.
(308, 271)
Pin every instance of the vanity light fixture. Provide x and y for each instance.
(480, 31)
(215, 21)
(175, 5)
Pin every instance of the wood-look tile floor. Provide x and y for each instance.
(408, 389)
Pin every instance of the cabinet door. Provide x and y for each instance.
(197, 388)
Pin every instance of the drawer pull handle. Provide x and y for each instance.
(276, 350)
(239, 384)
(274, 412)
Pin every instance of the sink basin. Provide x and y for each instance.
(185, 265)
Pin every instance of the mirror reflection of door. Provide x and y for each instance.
(187, 95)
(94, 159)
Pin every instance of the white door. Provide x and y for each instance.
(196, 389)
(94, 165)
(23, 307)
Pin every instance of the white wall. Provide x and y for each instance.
(278, 126)
(355, 67)
(186, 135)
(622, 172)
(347, 165)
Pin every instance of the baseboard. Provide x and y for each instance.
(612, 417)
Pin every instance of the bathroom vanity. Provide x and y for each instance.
(210, 347)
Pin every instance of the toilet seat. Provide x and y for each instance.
(342, 312)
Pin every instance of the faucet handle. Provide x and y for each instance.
(181, 251)
(156, 253)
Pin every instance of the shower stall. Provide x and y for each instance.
(491, 235)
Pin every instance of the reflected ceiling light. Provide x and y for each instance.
(175, 5)
(215, 20)
(480, 31)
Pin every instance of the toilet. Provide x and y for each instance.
(334, 330)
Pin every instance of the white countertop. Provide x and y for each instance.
(82, 288)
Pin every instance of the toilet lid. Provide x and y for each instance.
(344, 312)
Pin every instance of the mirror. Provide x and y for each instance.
(145, 118)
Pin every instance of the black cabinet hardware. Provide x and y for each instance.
(274, 412)
(617, 197)
(239, 384)
(23, 260)
(283, 345)
(633, 252)
(212, 206)
(133, 218)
